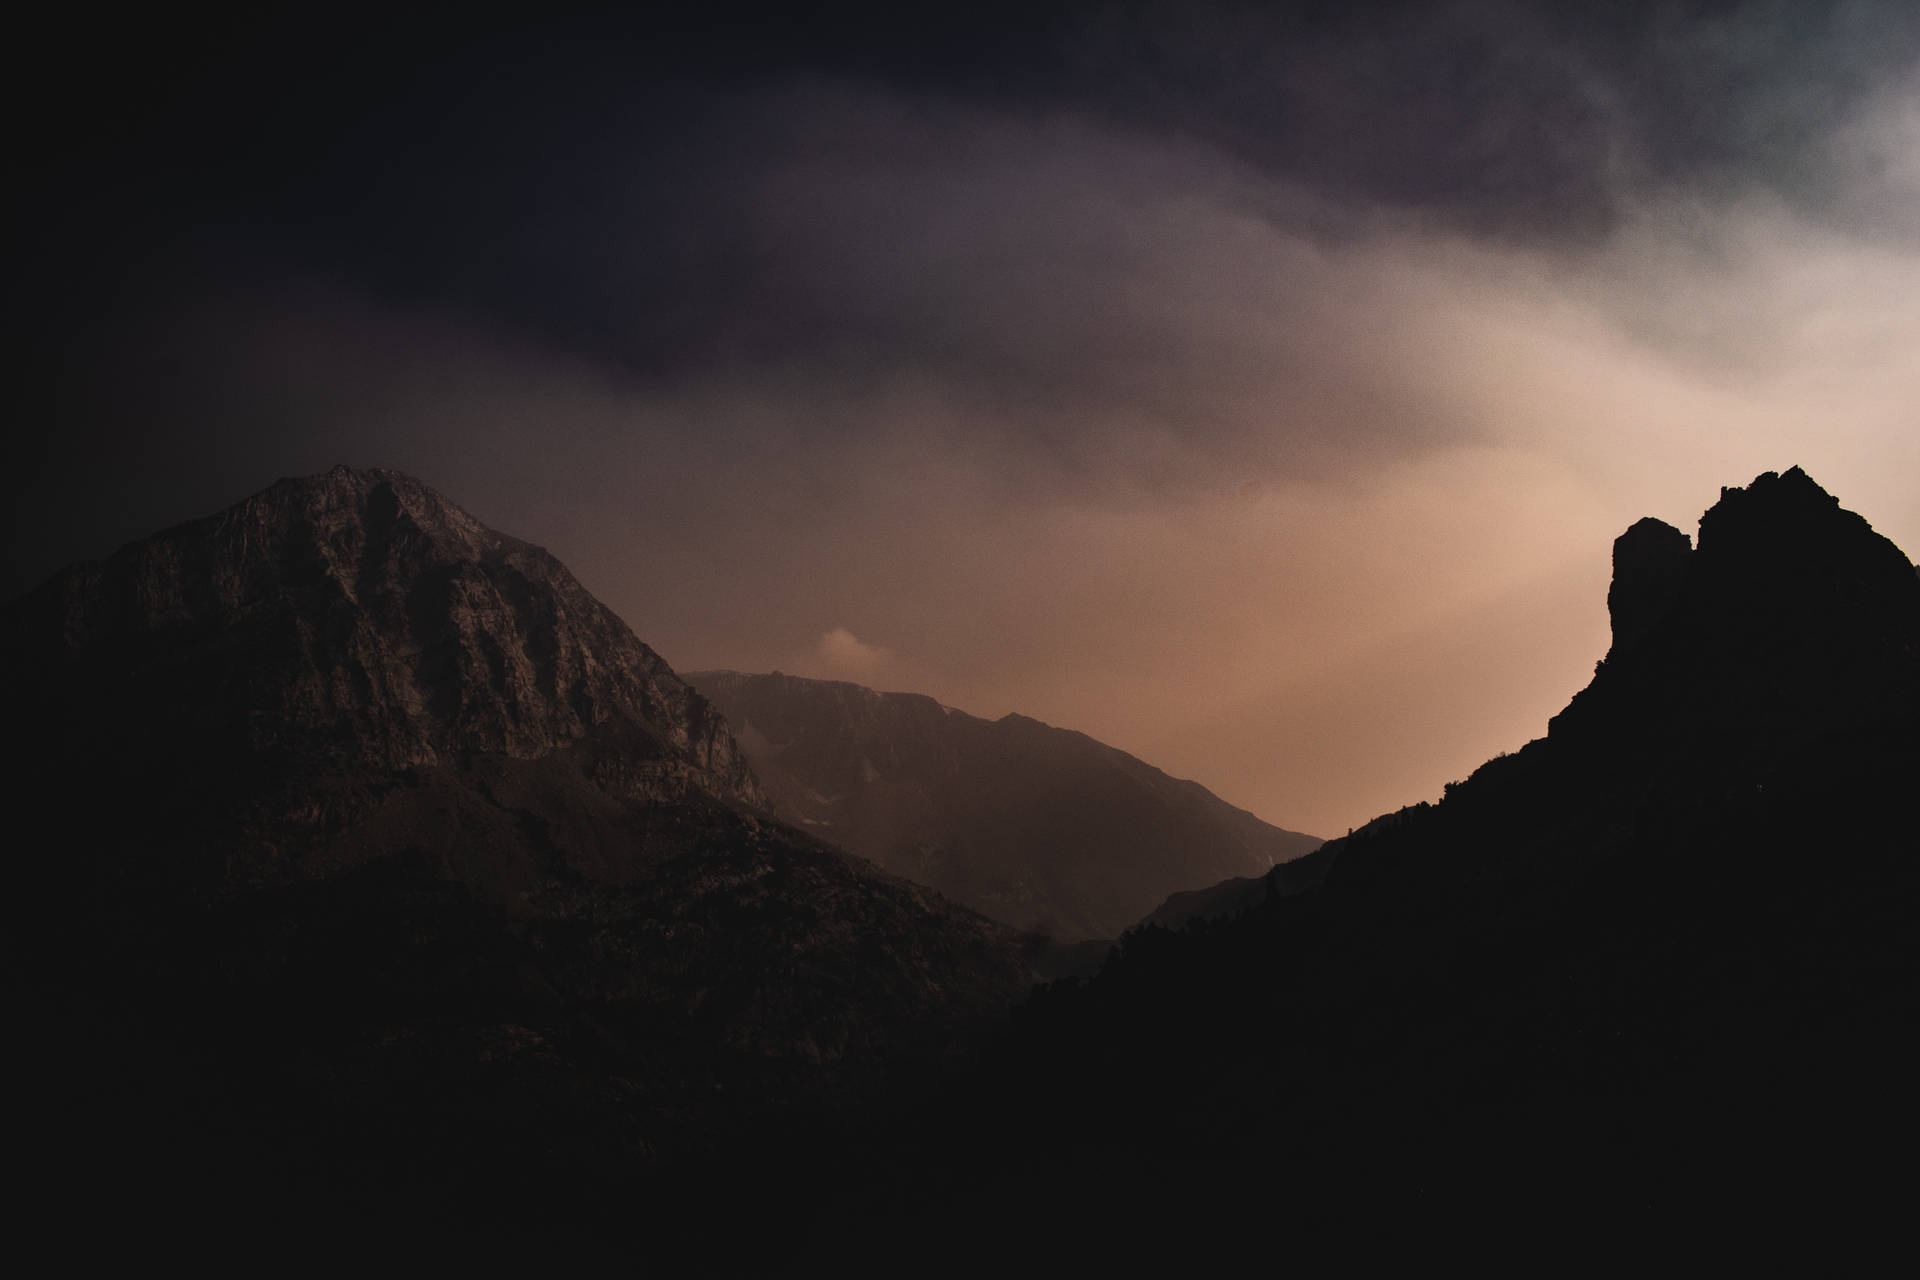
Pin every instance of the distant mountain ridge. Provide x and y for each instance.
(1032, 825)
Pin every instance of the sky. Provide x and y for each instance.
(1257, 389)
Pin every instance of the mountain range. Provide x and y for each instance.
(371, 872)
(1038, 827)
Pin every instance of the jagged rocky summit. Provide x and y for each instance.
(409, 875)
(1657, 965)
(1042, 828)
(1785, 641)
(1791, 621)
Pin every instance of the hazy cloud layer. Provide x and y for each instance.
(1260, 398)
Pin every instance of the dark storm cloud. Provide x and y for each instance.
(490, 165)
(506, 193)
(1522, 119)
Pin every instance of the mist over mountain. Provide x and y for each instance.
(384, 865)
(1038, 827)
(1657, 966)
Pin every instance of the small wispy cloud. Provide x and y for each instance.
(844, 654)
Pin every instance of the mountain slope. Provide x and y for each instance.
(1032, 825)
(1229, 898)
(411, 876)
(1660, 962)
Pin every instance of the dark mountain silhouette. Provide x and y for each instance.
(384, 865)
(1230, 897)
(1658, 966)
(1035, 826)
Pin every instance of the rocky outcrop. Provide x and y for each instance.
(1785, 623)
(1042, 828)
(1649, 573)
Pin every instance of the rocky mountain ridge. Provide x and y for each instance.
(414, 881)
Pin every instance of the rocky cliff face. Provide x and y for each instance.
(1032, 825)
(361, 615)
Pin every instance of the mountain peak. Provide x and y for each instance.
(1789, 547)
(1776, 507)
(376, 495)
(1786, 619)
(366, 611)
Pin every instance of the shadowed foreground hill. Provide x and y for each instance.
(1661, 962)
(1032, 825)
(386, 867)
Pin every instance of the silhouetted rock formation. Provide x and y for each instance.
(1035, 826)
(1662, 961)
(407, 874)
(1242, 893)
(1792, 626)
(1649, 571)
